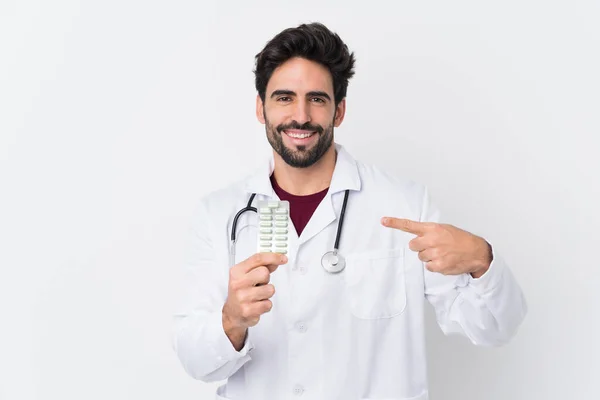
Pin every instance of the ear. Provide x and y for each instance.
(340, 111)
(260, 110)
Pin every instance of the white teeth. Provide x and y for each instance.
(299, 135)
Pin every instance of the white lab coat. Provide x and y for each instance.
(358, 334)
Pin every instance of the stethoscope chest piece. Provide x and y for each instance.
(333, 262)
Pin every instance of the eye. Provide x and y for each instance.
(318, 100)
(284, 98)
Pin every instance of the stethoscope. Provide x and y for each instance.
(332, 261)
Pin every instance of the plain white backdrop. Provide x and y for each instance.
(116, 117)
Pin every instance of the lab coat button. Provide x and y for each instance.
(303, 270)
(298, 390)
(301, 326)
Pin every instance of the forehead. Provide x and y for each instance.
(301, 75)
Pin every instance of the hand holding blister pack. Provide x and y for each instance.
(273, 226)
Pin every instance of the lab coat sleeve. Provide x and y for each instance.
(487, 310)
(199, 339)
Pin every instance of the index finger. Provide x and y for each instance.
(269, 260)
(406, 225)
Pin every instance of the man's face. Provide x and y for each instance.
(299, 112)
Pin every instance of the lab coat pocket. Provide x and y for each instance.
(375, 283)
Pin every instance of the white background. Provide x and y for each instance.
(117, 116)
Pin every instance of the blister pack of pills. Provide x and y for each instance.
(273, 226)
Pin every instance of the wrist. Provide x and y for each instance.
(483, 260)
(234, 331)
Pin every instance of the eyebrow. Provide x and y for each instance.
(314, 93)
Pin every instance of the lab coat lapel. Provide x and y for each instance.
(323, 216)
(259, 182)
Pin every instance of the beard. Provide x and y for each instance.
(300, 156)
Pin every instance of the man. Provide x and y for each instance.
(281, 326)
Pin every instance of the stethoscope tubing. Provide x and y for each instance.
(328, 268)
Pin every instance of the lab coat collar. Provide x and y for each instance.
(345, 175)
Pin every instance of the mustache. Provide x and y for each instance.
(307, 126)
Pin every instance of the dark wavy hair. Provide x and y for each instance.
(314, 42)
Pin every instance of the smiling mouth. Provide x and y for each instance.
(298, 134)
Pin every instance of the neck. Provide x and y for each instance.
(305, 181)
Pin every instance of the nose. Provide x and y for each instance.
(301, 112)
